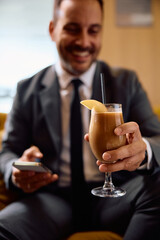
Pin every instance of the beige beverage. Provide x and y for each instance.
(104, 119)
(101, 132)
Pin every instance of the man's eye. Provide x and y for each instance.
(72, 30)
(94, 31)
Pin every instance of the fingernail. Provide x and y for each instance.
(98, 163)
(38, 154)
(106, 156)
(55, 176)
(118, 131)
(102, 168)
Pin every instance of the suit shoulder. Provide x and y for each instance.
(116, 71)
(34, 79)
(119, 72)
(30, 87)
(119, 76)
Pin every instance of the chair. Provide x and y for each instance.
(3, 117)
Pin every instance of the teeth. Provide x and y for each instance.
(81, 54)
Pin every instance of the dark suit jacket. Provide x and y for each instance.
(35, 117)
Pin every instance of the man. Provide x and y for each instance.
(38, 127)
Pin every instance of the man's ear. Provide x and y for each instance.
(51, 30)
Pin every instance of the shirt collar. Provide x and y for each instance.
(65, 78)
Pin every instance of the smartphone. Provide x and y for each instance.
(31, 166)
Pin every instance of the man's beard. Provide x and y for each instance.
(75, 48)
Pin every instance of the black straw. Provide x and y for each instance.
(103, 88)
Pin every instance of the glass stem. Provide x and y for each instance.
(108, 181)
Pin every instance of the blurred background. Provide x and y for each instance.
(131, 39)
(25, 45)
(135, 46)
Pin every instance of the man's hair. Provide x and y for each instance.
(57, 4)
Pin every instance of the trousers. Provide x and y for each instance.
(48, 214)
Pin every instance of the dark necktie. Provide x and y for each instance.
(77, 175)
(76, 137)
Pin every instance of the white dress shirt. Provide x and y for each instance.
(91, 171)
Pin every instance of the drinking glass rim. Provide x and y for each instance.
(116, 105)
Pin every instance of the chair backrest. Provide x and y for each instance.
(3, 117)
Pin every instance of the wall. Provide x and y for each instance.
(137, 48)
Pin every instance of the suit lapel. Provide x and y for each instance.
(50, 101)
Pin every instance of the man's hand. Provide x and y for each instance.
(129, 156)
(30, 181)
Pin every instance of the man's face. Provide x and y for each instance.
(77, 34)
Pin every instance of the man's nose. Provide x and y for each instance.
(83, 39)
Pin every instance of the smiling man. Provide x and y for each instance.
(76, 31)
(54, 205)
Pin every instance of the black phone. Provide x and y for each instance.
(31, 166)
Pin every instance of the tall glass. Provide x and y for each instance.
(102, 138)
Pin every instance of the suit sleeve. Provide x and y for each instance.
(16, 138)
(140, 111)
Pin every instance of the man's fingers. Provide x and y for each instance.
(34, 183)
(32, 152)
(129, 164)
(86, 137)
(125, 151)
(33, 186)
(22, 174)
(129, 128)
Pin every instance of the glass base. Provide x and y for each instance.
(108, 192)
